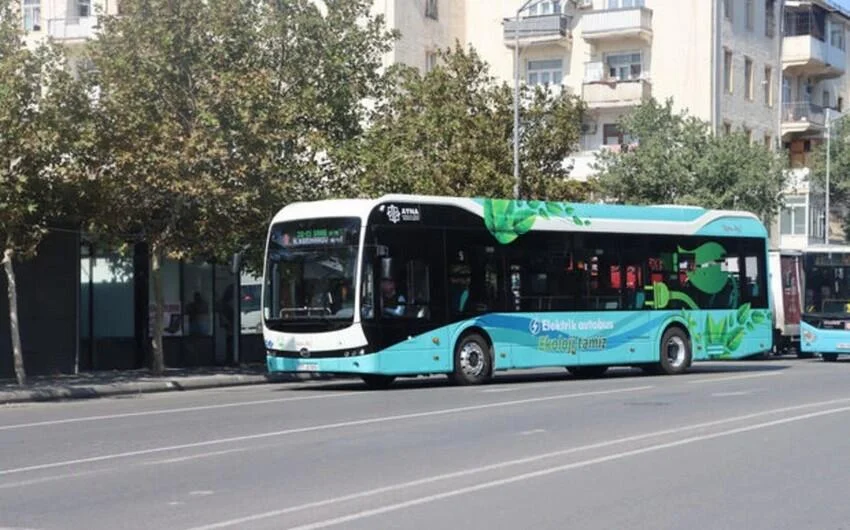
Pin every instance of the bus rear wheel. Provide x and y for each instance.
(675, 352)
(377, 381)
(830, 357)
(584, 372)
(473, 362)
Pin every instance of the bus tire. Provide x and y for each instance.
(830, 357)
(585, 372)
(473, 360)
(675, 351)
(377, 381)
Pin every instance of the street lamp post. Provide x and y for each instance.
(516, 97)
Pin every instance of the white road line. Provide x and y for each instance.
(196, 457)
(533, 431)
(560, 469)
(177, 410)
(730, 394)
(325, 427)
(499, 390)
(511, 463)
(733, 377)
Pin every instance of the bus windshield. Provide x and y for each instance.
(310, 273)
(827, 286)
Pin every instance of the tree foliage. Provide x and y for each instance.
(213, 114)
(41, 122)
(676, 160)
(450, 132)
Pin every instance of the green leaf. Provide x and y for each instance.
(554, 209)
(758, 317)
(735, 338)
(743, 313)
(522, 226)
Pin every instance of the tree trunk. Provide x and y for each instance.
(14, 329)
(158, 365)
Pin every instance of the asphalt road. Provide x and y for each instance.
(746, 445)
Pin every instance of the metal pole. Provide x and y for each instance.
(516, 105)
(828, 156)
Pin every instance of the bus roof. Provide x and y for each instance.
(664, 219)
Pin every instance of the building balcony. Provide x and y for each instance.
(538, 30)
(628, 23)
(599, 91)
(802, 117)
(72, 29)
(809, 56)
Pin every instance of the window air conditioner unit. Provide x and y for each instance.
(588, 128)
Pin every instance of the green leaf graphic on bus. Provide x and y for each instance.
(508, 219)
(708, 277)
(723, 337)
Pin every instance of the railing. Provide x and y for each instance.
(617, 21)
(803, 112)
(72, 28)
(537, 26)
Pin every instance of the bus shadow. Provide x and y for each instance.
(519, 377)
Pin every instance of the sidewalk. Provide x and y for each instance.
(100, 384)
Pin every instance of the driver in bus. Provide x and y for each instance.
(393, 302)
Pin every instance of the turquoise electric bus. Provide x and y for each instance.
(825, 323)
(411, 285)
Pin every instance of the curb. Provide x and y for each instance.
(61, 392)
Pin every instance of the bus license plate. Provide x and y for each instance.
(308, 367)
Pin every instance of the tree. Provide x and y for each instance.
(210, 119)
(450, 131)
(672, 158)
(839, 174)
(40, 123)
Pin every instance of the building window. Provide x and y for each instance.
(431, 9)
(750, 14)
(430, 61)
(624, 66)
(792, 219)
(768, 86)
(770, 18)
(748, 134)
(612, 135)
(544, 7)
(748, 78)
(32, 15)
(727, 128)
(83, 8)
(727, 71)
(836, 37)
(840, 105)
(727, 9)
(827, 101)
(624, 4)
(550, 71)
(768, 141)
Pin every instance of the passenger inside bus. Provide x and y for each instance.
(393, 302)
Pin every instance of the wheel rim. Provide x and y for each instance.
(472, 359)
(676, 351)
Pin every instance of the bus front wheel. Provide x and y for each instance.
(675, 351)
(473, 362)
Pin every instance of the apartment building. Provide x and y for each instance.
(814, 89)
(767, 68)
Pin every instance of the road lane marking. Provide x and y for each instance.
(533, 431)
(509, 463)
(559, 469)
(174, 411)
(732, 378)
(314, 428)
(731, 394)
